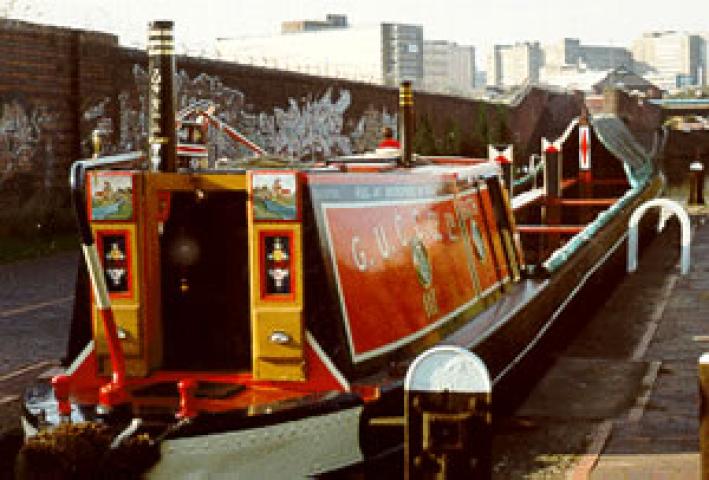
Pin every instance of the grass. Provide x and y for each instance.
(16, 248)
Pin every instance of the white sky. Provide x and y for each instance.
(471, 22)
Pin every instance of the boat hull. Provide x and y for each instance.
(288, 450)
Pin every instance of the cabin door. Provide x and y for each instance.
(205, 283)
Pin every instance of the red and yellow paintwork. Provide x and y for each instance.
(409, 255)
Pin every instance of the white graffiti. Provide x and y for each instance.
(367, 134)
(22, 143)
(308, 129)
(132, 127)
(311, 131)
(98, 110)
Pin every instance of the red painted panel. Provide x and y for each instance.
(287, 264)
(401, 267)
(126, 263)
(475, 215)
(494, 235)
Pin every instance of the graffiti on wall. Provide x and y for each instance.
(368, 131)
(24, 146)
(307, 129)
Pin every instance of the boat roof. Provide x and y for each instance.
(617, 138)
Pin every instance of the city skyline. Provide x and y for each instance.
(198, 25)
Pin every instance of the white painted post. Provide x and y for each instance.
(666, 205)
(447, 416)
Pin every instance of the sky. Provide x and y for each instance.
(467, 22)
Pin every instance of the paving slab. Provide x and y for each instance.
(621, 400)
(586, 388)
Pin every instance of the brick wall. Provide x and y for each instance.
(57, 85)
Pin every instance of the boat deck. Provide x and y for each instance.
(621, 400)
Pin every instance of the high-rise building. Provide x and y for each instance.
(570, 51)
(704, 77)
(385, 54)
(331, 21)
(448, 67)
(402, 53)
(674, 54)
(514, 65)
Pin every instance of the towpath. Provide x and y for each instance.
(621, 401)
(35, 310)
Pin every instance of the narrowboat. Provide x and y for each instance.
(250, 318)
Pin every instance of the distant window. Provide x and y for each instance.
(413, 48)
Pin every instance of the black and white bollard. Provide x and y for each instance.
(447, 429)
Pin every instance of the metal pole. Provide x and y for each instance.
(406, 111)
(696, 183)
(161, 96)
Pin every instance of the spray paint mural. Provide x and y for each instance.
(24, 145)
(307, 129)
(310, 130)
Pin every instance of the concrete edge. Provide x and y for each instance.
(587, 461)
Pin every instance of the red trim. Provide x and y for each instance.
(187, 389)
(100, 234)
(277, 297)
(86, 386)
(585, 176)
(584, 161)
(550, 229)
(115, 350)
(186, 149)
(62, 387)
(319, 376)
(389, 143)
(366, 167)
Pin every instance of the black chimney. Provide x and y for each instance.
(162, 137)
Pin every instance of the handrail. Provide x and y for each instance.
(111, 393)
(77, 178)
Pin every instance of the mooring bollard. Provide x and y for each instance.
(696, 183)
(668, 207)
(447, 430)
(704, 414)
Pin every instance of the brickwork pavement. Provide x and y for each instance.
(620, 400)
(664, 442)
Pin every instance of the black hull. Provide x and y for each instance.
(524, 320)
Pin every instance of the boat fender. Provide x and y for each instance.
(91, 450)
